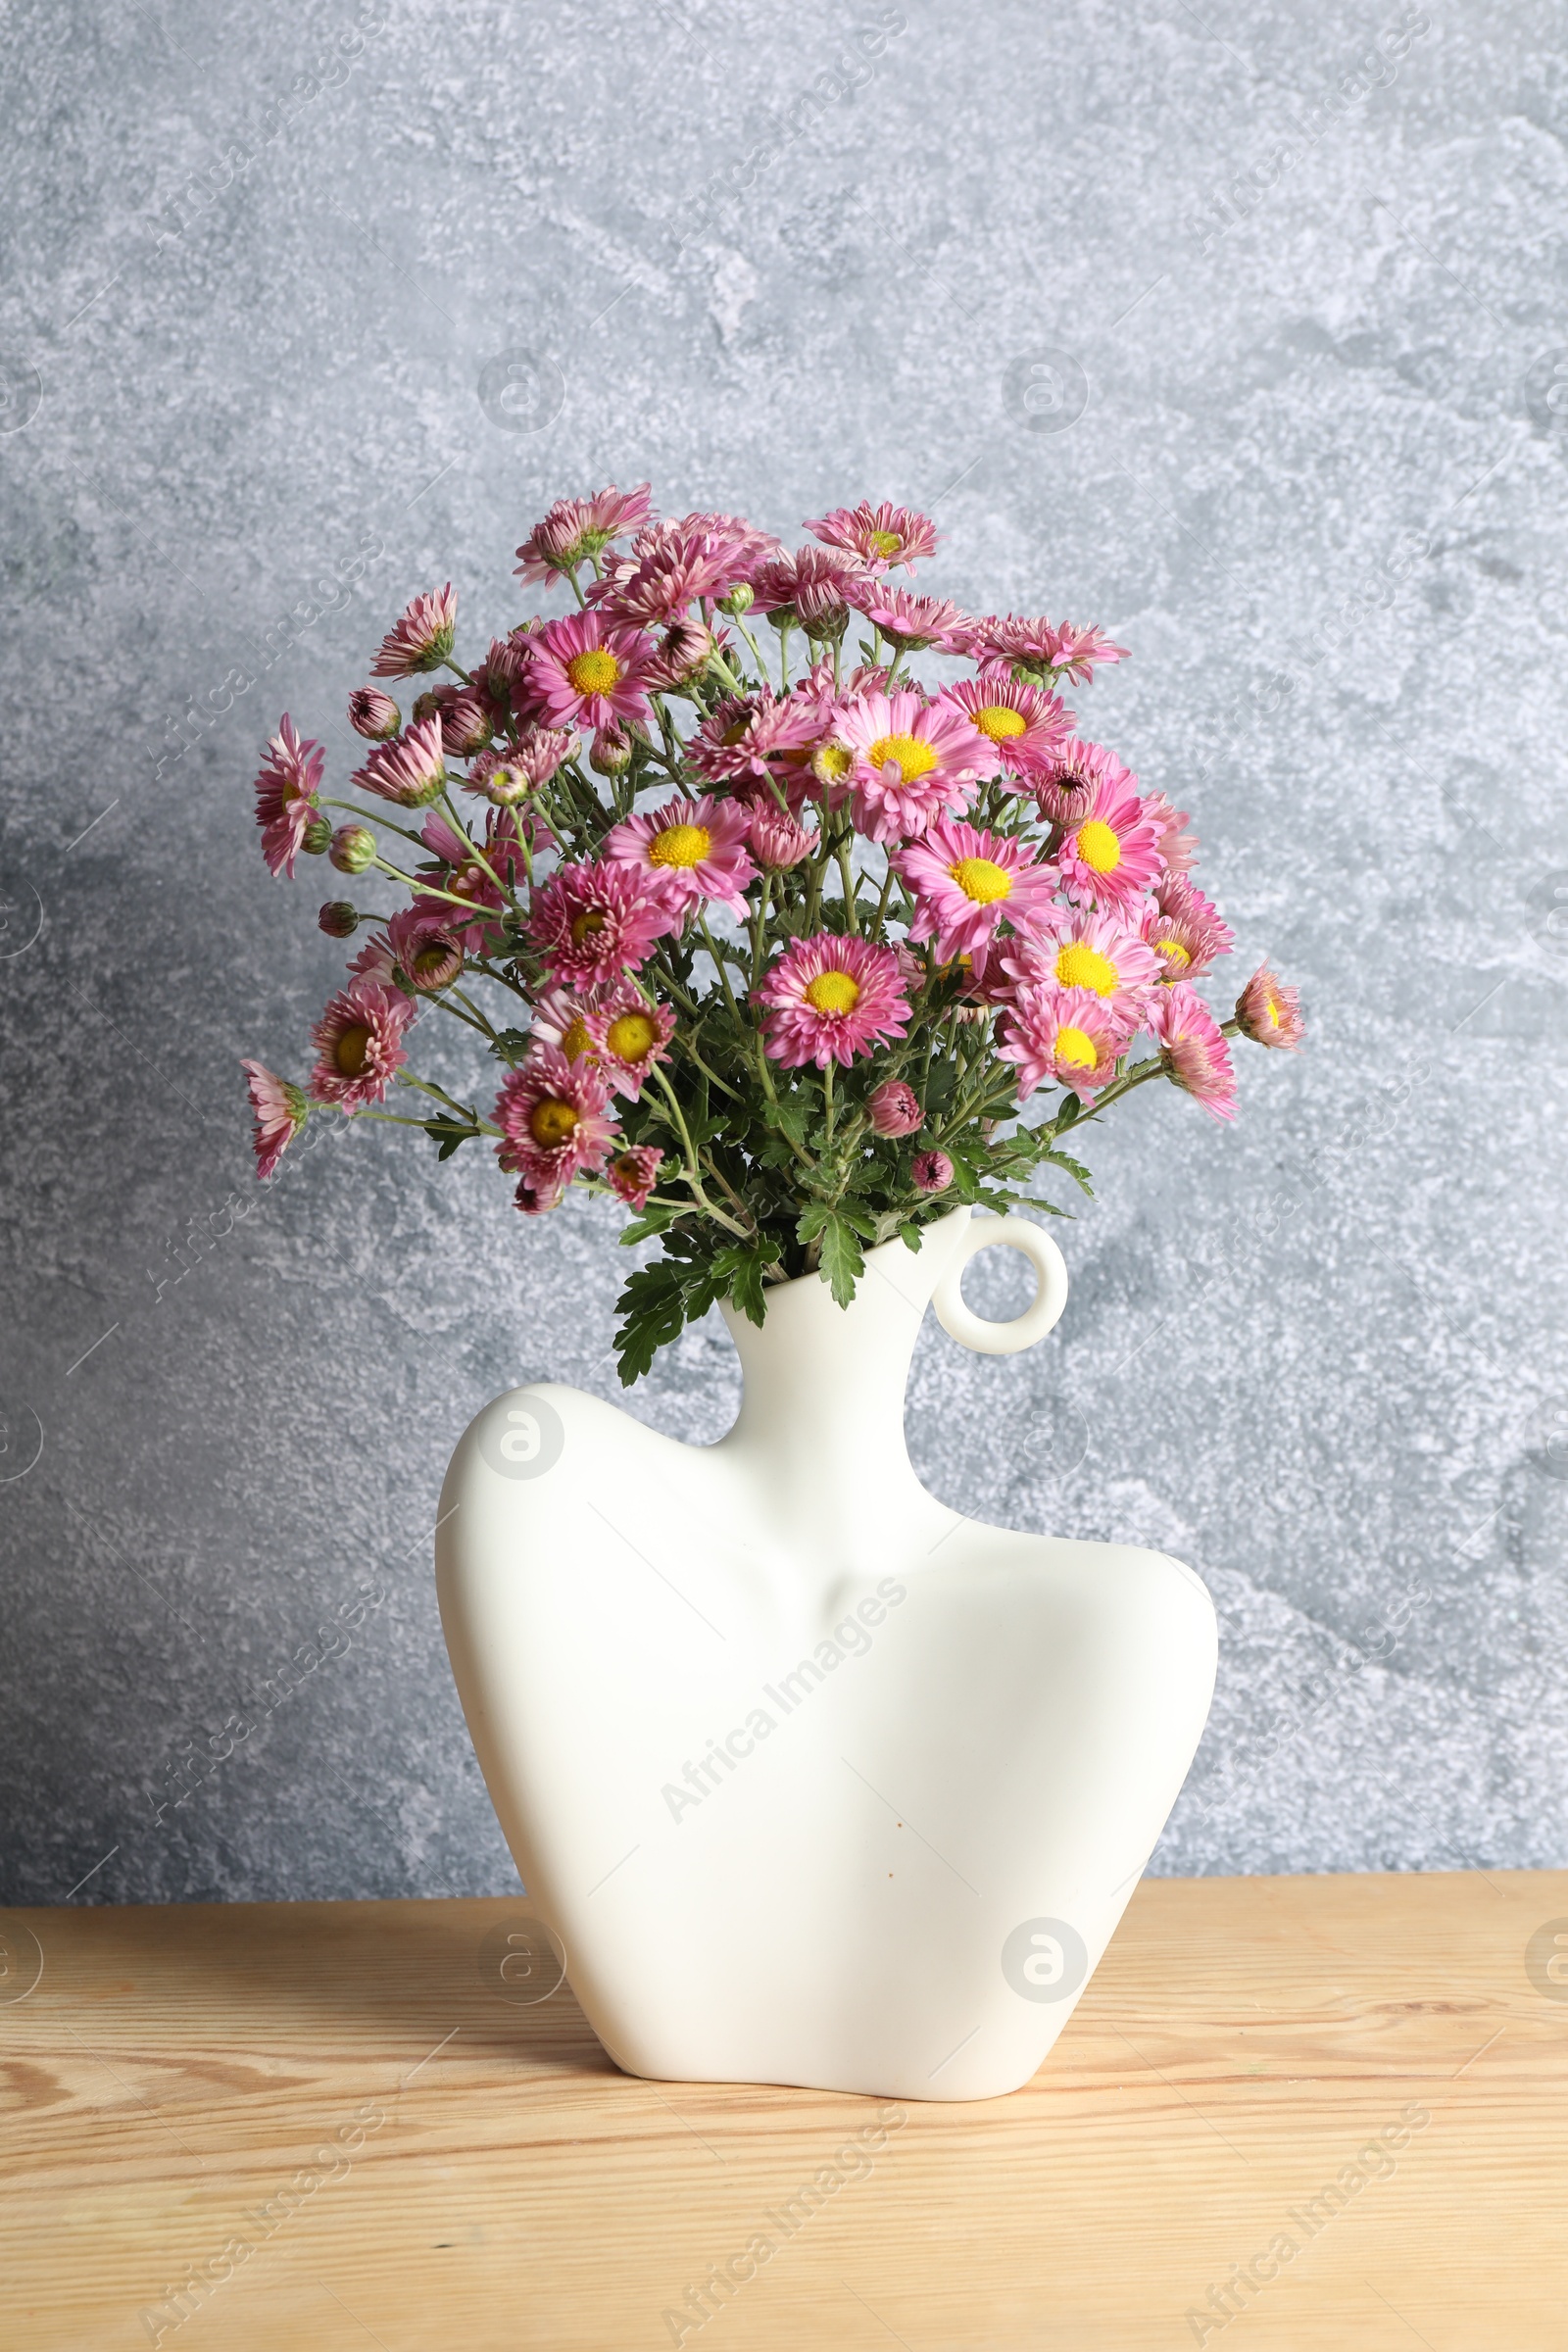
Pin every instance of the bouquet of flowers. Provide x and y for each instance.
(785, 946)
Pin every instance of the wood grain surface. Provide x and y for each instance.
(330, 2127)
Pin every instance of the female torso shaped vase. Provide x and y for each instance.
(814, 1779)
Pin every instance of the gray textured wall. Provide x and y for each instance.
(1317, 486)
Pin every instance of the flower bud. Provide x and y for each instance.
(338, 920)
(315, 837)
(374, 715)
(738, 601)
(434, 964)
(351, 849)
(894, 1108)
(932, 1171)
(465, 720)
(777, 841)
(609, 753)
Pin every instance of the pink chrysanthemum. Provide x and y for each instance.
(555, 1121)
(1112, 853)
(1184, 928)
(965, 882)
(810, 587)
(509, 772)
(1042, 648)
(627, 1036)
(586, 671)
(424, 949)
(910, 762)
(777, 841)
(745, 737)
(422, 637)
(1021, 728)
(634, 1174)
(576, 528)
(466, 720)
(880, 536)
(830, 998)
(1101, 953)
(673, 564)
(561, 1019)
(1063, 1034)
(682, 654)
(285, 795)
(374, 715)
(931, 1171)
(592, 922)
(688, 850)
(1178, 850)
(894, 1109)
(1065, 781)
(411, 770)
(1194, 1051)
(279, 1109)
(910, 622)
(358, 1043)
(1269, 1012)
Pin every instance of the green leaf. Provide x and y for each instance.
(448, 1134)
(911, 1236)
(810, 1222)
(510, 1044)
(843, 1261)
(1070, 1108)
(649, 1222)
(747, 1289)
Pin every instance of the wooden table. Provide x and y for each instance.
(333, 2126)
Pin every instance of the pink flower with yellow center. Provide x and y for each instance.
(585, 672)
(554, 1120)
(359, 1044)
(1083, 948)
(590, 923)
(576, 528)
(424, 949)
(1192, 1050)
(965, 883)
(422, 637)
(1020, 726)
(829, 998)
(1184, 929)
(634, 1174)
(627, 1036)
(880, 536)
(511, 771)
(1269, 1012)
(279, 1109)
(1068, 1034)
(561, 1019)
(285, 795)
(910, 762)
(1112, 853)
(687, 851)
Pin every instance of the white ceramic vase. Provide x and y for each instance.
(813, 1779)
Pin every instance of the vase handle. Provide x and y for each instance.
(978, 1332)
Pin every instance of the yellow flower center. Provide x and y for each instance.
(431, 963)
(1076, 1049)
(577, 1041)
(587, 925)
(886, 543)
(981, 880)
(1173, 952)
(833, 991)
(551, 1123)
(631, 1037)
(998, 722)
(1099, 847)
(1081, 966)
(353, 1050)
(832, 760)
(907, 752)
(680, 844)
(593, 673)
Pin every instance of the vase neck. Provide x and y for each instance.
(821, 1418)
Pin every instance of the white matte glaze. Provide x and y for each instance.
(991, 1756)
